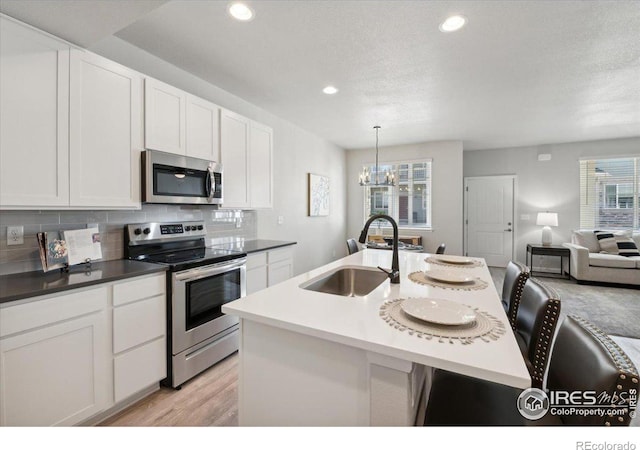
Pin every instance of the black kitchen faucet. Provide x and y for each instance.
(394, 273)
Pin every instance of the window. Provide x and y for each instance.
(409, 201)
(610, 193)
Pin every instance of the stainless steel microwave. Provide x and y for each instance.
(170, 178)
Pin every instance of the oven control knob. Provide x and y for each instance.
(200, 227)
(187, 228)
(147, 230)
(137, 231)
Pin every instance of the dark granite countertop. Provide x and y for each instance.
(31, 284)
(256, 245)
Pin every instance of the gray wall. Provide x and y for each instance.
(296, 152)
(446, 186)
(545, 185)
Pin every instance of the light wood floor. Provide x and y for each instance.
(209, 399)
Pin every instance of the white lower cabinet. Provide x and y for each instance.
(139, 368)
(256, 272)
(55, 373)
(139, 346)
(67, 357)
(280, 263)
(268, 268)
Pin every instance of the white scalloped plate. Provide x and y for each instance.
(448, 276)
(452, 259)
(435, 310)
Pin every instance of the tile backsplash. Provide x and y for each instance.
(222, 226)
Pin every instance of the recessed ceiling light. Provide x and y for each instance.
(453, 23)
(240, 11)
(330, 90)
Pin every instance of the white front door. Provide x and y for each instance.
(489, 220)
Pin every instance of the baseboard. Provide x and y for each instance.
(115, 409)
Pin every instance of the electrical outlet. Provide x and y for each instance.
(15, 235)
(280, 220)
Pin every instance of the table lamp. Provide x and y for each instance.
(547, 219)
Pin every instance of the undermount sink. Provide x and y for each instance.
(349, 281)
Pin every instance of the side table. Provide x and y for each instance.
(550, 250)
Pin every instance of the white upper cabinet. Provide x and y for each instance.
(106, 133)
(165, 117)
(234, 153)
(181, 123)
(70, 125)
(203, 129)
(261, 166)
(34, 126)
(246, 151)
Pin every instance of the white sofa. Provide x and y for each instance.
(589, 265)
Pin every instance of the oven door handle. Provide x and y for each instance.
(208, 271)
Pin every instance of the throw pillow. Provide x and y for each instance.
(627, 247)
(607, 242)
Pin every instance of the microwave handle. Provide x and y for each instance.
(211, 184)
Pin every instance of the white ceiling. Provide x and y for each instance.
(520, 73)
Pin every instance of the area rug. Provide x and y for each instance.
(615, 310)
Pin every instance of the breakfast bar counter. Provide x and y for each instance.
(315, 358)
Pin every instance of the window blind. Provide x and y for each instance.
(610, 193)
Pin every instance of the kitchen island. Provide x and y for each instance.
(312, 358)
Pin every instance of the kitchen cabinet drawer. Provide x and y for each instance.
(138, 322)
(130, 291)
(139, 368)
(47, 310)
(256, 260)
(269, 267)
(280, 254)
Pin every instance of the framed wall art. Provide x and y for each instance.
(318, 195)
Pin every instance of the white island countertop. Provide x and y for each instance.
(356, 321)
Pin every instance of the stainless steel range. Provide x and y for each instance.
(200, 280)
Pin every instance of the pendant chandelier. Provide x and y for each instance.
(365, 175)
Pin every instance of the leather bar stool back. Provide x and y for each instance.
(515, 277)
(536, 321)
(440, 249)
(352, 246)
(586, 359)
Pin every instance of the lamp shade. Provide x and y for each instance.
(547, 219)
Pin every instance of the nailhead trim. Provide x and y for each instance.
(622, 362)
(545, 337)
(520, 282)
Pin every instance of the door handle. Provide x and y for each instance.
(508, 229)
